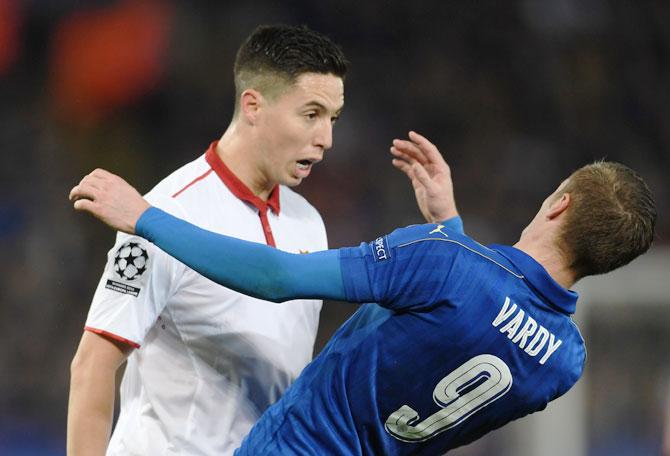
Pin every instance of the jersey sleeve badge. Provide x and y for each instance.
(129, 266)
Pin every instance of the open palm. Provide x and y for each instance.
(430, 175)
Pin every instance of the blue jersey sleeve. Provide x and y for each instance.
(250, 268)
(454, 224)
(408, 268)
(349, 274)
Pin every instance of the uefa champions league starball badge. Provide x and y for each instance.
(130, 261)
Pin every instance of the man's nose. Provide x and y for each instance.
(324, 137)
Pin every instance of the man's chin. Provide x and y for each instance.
(292, 181)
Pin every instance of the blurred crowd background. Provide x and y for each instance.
(515, 94)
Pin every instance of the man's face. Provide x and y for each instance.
(297, 128)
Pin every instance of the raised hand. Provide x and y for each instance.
(110, 199)
(430, 175)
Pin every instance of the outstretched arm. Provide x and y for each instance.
(248, 267)
(253, 269)
(430, 175)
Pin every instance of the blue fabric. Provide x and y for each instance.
(250, 268)
(448, 307)
(454, 224)
(464, 338)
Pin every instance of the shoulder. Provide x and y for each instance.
(434, 235)
(577, 353)
(186, 178)
(180, 178)
(434, 243)
(425, 241)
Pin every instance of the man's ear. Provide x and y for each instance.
(559, 206)
(250, 104)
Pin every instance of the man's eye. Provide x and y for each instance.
(311, 115)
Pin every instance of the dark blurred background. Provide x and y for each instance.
(515, 94)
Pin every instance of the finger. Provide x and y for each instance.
(92, 182)
(403, 166)
(83, 191)
(411, 149)
(410, 171)
(402, 155)
(429, 149)
(85, 205)
(419, 138)
(97, 179)
(422, 176)
(103, 174)
(73, 195)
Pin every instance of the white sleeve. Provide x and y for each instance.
(135, 286)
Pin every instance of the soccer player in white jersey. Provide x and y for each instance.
(203, 362)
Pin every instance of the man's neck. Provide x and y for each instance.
(551, 259)
(240, 156)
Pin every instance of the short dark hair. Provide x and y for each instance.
(611, 218)
(274, 56)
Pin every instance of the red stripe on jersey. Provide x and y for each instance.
(267, 229)
(112, 336)
(199, 178)
(237, 188)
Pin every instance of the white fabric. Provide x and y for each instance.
(211, 360)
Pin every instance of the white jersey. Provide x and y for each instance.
(209, 360)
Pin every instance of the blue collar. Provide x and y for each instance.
(539, 278)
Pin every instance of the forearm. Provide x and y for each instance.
(90, 410)
(250, 268)
(92, 392)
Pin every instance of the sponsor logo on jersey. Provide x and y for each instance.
(380, 248)
(439, 230)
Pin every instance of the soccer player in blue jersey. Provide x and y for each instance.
(463, 338)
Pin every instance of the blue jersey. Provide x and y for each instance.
(464, 339)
